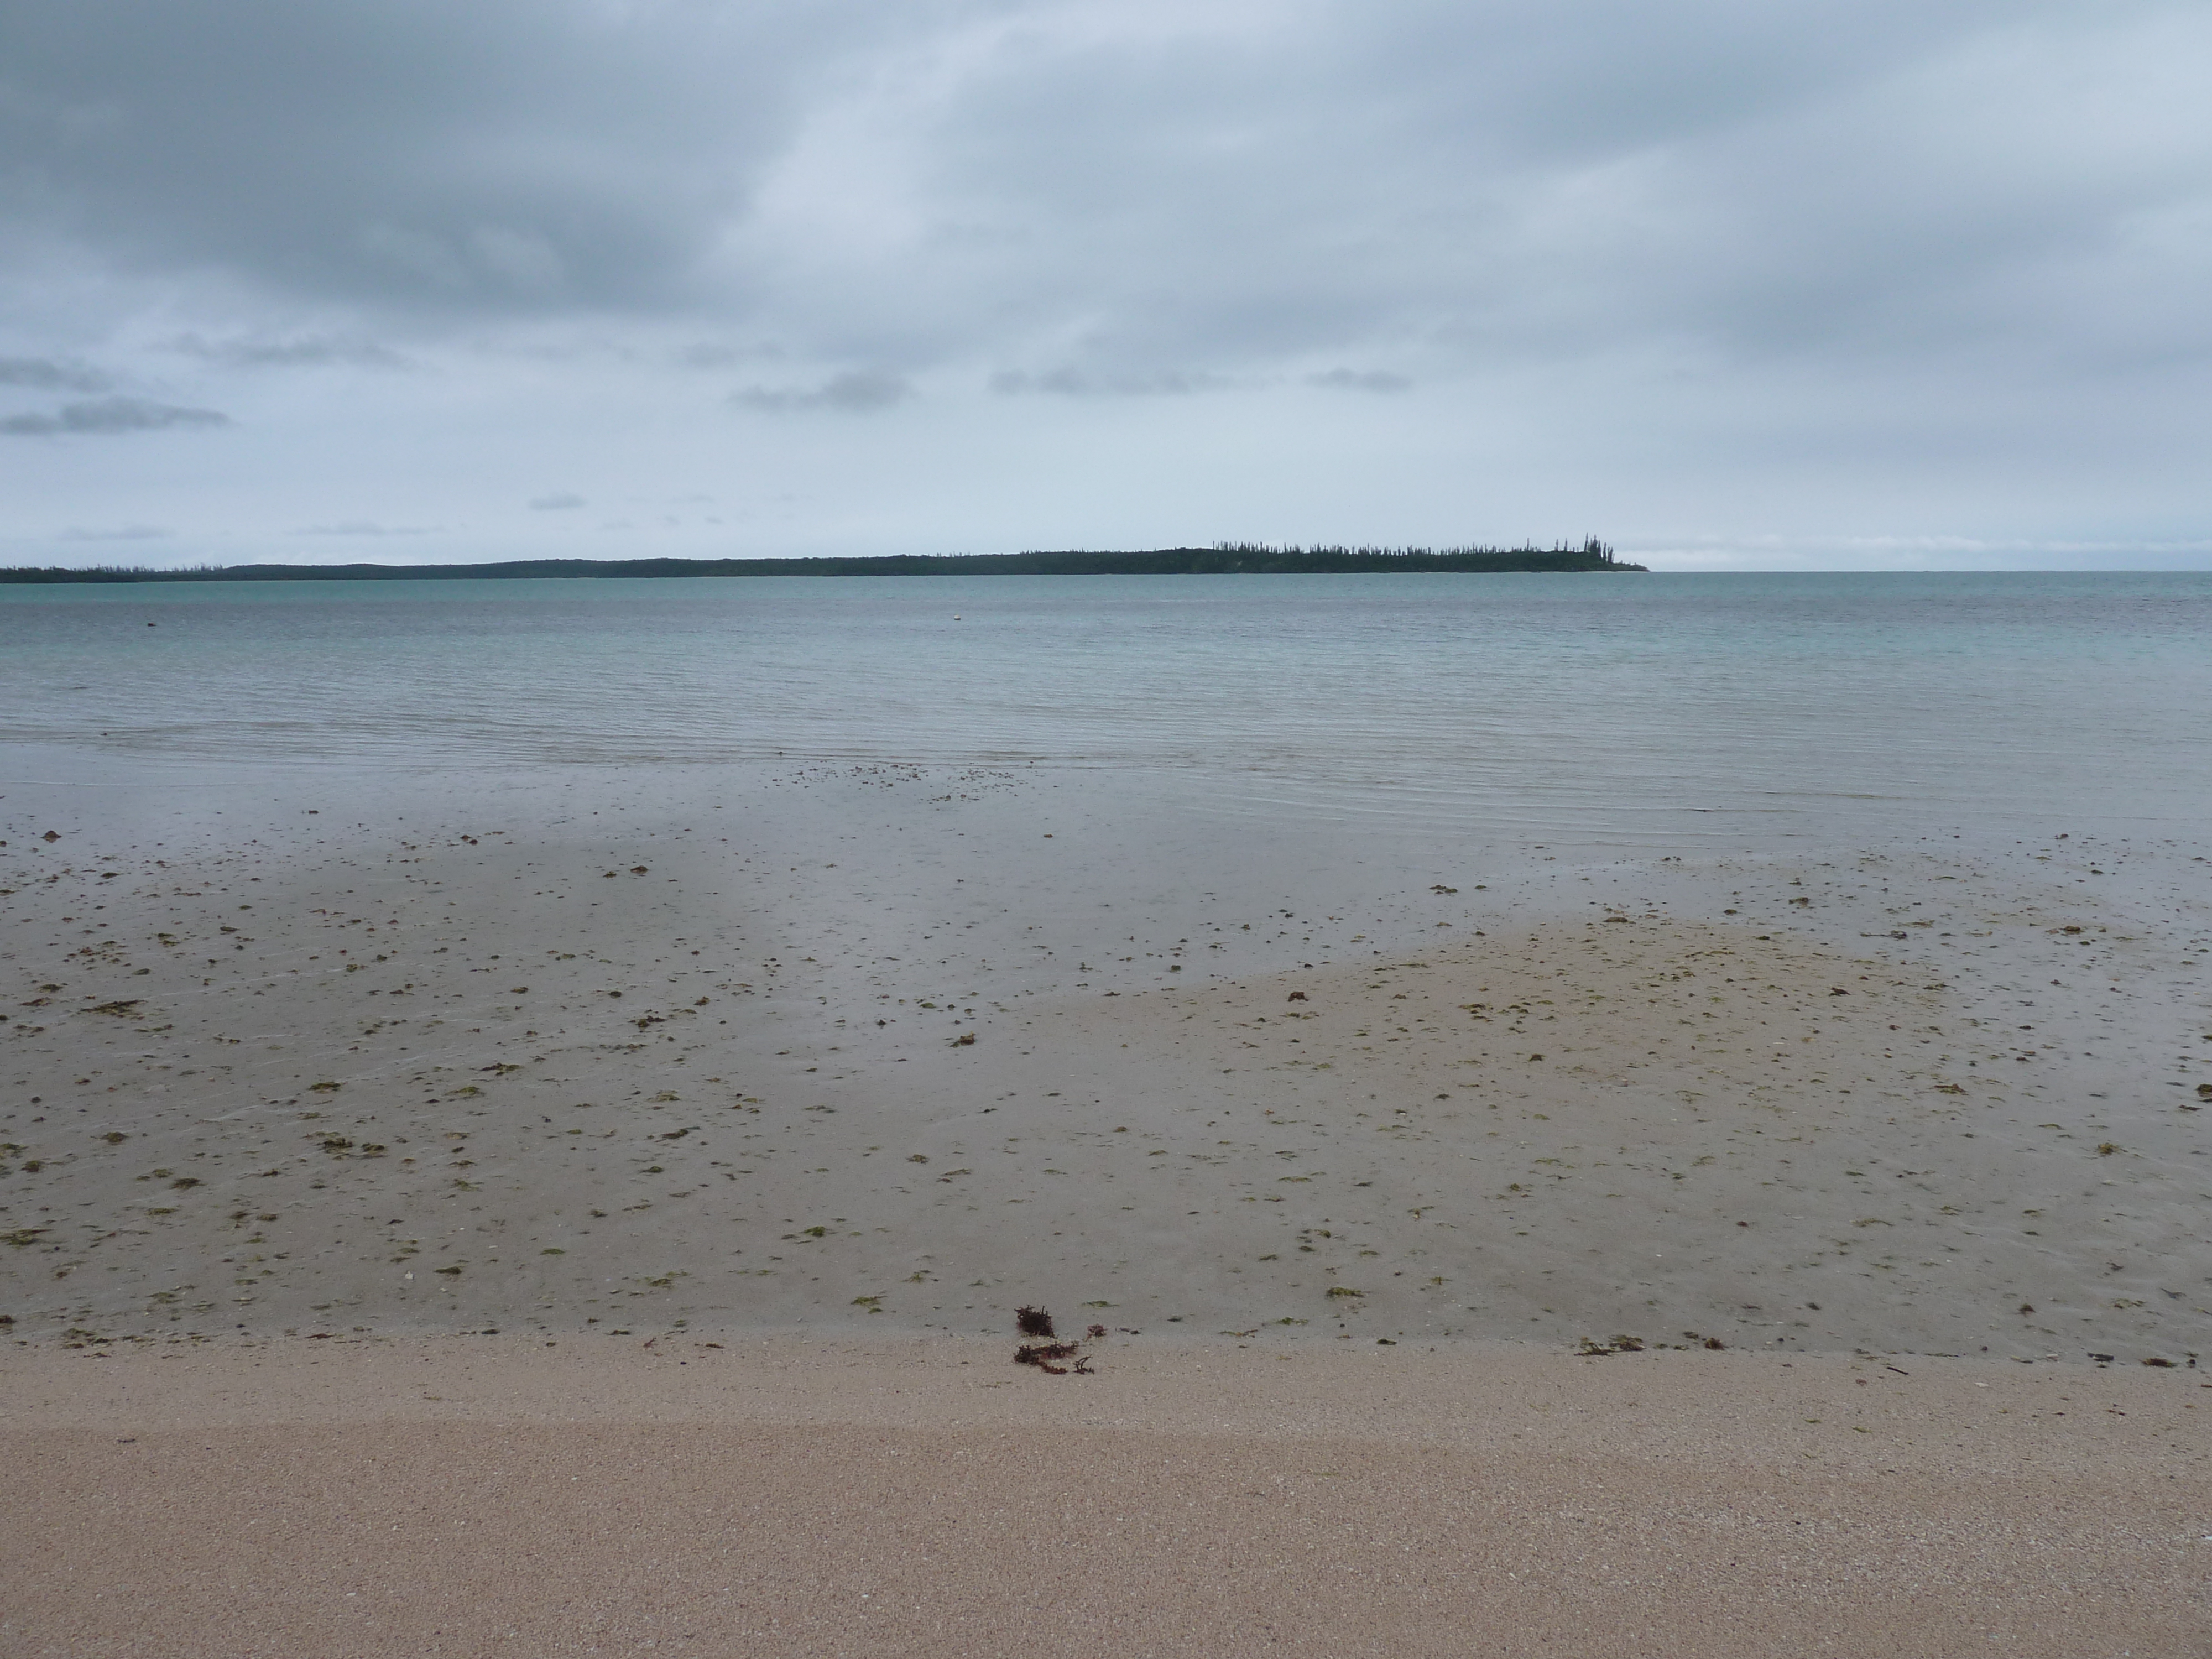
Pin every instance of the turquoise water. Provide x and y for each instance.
(1638, 708)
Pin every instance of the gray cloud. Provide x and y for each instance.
(48, 374)
(932, 184)
(1353, 379)
(109, 416)
(1511, 177)
(859, 392)
(561, 502)
(128, 532)
(305, 351)
(1077, 383)
(503, 154)
(367, 527)
(710, 354)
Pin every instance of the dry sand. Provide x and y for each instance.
(877, 1053)
(802, 1495)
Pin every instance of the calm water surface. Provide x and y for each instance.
(1640, 709)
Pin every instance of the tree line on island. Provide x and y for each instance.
(1222, 559)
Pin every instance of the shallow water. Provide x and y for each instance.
(1636, 710)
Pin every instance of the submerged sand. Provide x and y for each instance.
(754, 1060)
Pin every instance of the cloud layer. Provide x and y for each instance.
(1733, 283)
(108, 416)
(857, 392)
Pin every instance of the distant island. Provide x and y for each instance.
(1224, 559)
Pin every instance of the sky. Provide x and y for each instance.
(1734, 284)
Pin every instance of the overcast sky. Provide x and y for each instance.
(1733, 283)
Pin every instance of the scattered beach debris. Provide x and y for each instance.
(1048, 1349)
(1610, 1346)
(1043, 1355)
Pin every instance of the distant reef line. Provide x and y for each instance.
(1223, 559)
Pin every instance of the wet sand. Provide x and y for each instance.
(1350, 1142)
(844, 1049)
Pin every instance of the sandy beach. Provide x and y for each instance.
(644, 1184)
(805, 1495)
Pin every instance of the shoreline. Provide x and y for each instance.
(1735, 1406)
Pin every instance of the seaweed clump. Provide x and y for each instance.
(1047, 1349)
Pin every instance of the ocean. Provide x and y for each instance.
(1638, 711)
